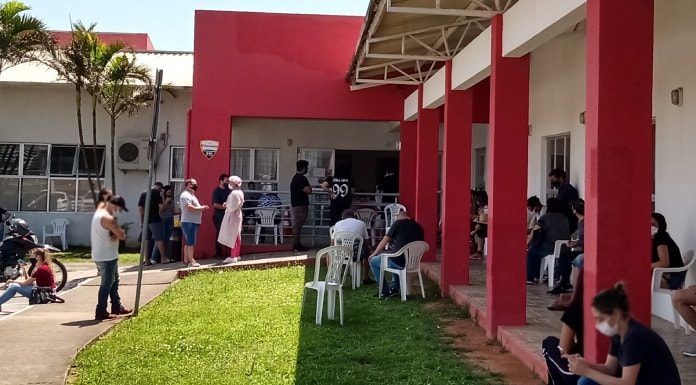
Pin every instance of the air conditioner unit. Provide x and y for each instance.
(132, 154)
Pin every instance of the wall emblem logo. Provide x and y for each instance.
(209, 148)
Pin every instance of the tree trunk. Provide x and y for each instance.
(113, 157)
(78, 102)
(94, 141)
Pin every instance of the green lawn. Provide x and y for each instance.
(245, 327)
(82, 255)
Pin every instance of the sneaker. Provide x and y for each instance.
(691, 351)
(560, 289)
(152, 262)
(228, 260)
(104, 316)
(394, 293)
(235, 259)
(121, 311)
(531, 282)
(476, 256)
(194, 264)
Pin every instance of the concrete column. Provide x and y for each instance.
(407, 164)
(427, 138)
(509, 112)
(456, 185)
(618, 156)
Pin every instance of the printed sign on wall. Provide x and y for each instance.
(209, 148)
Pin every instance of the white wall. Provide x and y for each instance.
(337, 135)
(557, 97)
(46, 114)
(674, 63)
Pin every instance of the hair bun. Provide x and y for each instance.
(619, 287)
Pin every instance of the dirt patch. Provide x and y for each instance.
(471, 342)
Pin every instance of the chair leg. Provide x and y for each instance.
(543, 269)
(551, 266)
(340, 305)
(403, 284)
(330, 304)
(381, 283)
(420, 278)
(65, 242)
(275, 235)
(320, 306)
(280, 231)
(257, 233)
(358, 273)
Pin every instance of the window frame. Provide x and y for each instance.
(566, 156)
(252, 163)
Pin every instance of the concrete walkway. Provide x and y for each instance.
(41, 341)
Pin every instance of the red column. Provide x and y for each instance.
(207, 125)
(456, 184)
(428, 138)
(407, 164)
(509, 111)
(618, 149)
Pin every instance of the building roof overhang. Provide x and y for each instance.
(404, 41)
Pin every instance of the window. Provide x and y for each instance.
(557, 156)
(259, 165)
(49, 177)
(177, 161)
(480, 167)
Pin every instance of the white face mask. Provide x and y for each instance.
(116, 213)
(653, 230)
(606, 329)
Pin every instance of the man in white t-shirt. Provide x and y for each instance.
(349, 223)
(191, 213)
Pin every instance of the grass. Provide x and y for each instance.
(82, 255)
(246, 327)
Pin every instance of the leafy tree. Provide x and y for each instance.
(20, 34)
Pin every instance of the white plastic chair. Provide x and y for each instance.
(350, 240)
(391, 211)
(57, 228)
(267, 218)
(367, 216)
(412, 252)
(662, 298)
(332, 232)
(549, 261)
(332, 283)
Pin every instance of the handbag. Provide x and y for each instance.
(41, 295)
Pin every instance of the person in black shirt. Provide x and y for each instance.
(154, 224)
(340, 188)
(388, 184)
(665, 253)
(220, 195)
(638, 355)
(299, 202)
(567, 194)
(404, 231)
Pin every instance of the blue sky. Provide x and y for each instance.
(170, 22)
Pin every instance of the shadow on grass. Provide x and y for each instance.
(383, 341)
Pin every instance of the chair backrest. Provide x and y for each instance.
(267, 216)
(59, 225)
(413, 252)
(350, 240)
(332, 232)
(689, 258)
(335, 256)
(366, 215)
(391, 211)
(558, 246)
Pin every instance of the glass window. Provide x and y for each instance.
(9, 159)
(178, 162)
(9, 193)
(62, 198)
(35, 159)
(265, 164)
(85, 202)
(96, 169)
(63, 160)
(34, 194)
(241, 163)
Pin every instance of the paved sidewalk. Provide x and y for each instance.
(41, 341)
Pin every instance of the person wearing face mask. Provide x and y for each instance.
(220, 195)
(191, 215)
(665, 253)
(104, 236)
(567, 194)
(638, 355)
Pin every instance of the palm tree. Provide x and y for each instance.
(126, 89)
(20, 34)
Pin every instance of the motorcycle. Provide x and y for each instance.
(15, 247)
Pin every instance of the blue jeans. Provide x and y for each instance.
(376, 271)
(586, 381)
(13, 289)
(108, 271)
(534, 256)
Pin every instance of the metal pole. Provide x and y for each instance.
(148, 194)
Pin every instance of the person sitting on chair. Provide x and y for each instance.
(349, 223)
(404, 231)
(684, 301)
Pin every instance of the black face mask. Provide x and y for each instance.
(556, 184)
(194, 187)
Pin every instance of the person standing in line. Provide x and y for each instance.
(191, 215)
(154, 224)
(167, 212)
(231, 227)
(105, 233)
(299, 201)
(340, 188)
(220, 195)
(388, 184)
(567, 194)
